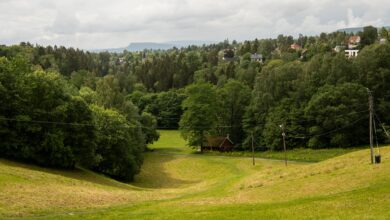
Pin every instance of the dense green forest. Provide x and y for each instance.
(64, 107)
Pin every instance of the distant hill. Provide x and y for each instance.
(140, 46)
(355, 30)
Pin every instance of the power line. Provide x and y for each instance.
(45, 122)
(157, 127)
(178, 118)
(327, 132)
(338, 116)
(92, 125)
(384, 129)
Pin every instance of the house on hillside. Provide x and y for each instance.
(121, 60)
(295, 46)
(303, 54)
(382, 41)
(338, 48)
(354, 42)
(218, 143)
(257, 57)
(351, 53)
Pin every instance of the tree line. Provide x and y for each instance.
(322, 103)
(66, 107)
(45, 119)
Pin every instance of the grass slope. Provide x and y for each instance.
(298, 154)
(188, 186)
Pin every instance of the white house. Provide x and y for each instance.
(257, 57)
(338, 48)
(351, 53)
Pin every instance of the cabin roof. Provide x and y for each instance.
(217, 141)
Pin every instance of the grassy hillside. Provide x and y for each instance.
(188, 186)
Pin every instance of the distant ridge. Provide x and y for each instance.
(140, 46)
(356, 30)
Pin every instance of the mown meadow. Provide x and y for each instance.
(178, 183)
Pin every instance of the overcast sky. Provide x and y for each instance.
(90, 24)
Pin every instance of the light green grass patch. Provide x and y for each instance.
(298, 154)
(171, 141)
(178, 185)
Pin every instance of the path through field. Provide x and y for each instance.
(185, 186)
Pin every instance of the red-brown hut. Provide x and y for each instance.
(218, 143)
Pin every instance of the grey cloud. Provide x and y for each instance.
(65, 23)
(101, 23)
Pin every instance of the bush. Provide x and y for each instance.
(119, 146)
(40, 113)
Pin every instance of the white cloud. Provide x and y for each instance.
(114, 23)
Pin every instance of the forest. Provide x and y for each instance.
(65, 107)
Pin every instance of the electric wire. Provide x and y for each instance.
(327, 132)
(384, 129)
(92, 125)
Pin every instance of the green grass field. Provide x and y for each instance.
(298, 154)
(172, 143)
(176, 184)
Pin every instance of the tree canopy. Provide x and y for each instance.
(65, 107)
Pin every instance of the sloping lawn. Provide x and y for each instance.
(175, 184)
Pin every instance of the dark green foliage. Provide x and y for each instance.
(311, 99)
(83, 78)
(149, 125)
(200, 113)
(109, 92)
(331, 109)
(276, 81)
(369, 35)
(145, 88)
(119, 144)
(81, 137)
(233, 98)
(38, 112)
(44, 120)
(373, 67)
(169, 109)
(288, 114)
(165, 106)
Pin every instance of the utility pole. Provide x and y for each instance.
(284, 144)
(253, 151)
(371, 112)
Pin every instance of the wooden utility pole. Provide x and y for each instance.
(284, 144)
(371, 111)
(253, 151)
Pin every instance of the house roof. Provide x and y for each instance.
(295, 46)
(217, 141)
(354, 39)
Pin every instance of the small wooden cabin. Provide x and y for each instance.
(218, 143)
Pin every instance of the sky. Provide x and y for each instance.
(93, 24)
